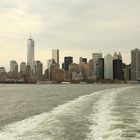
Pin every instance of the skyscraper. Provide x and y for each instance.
(96, 57)
(101, 68)
(108, 67)
(55, 55)
(135, 64)
(23, 69)
(67, 61)
(117, 67)
(38, 67)
(82, 60)
(13, 66)
(30, 53)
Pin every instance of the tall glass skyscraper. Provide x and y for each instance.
(30, 53)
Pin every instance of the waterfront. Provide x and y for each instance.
(70, 112)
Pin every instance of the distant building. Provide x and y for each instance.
(135, 64)
(127, 73)
(101, 68)
(13, 74)
(67, 61)
(117, 67)
(55, 55)
(29, 75)
(108, 67)
(13, 66)
(49, 63)
(23, 70)
(38, 70)
(96, 57)
(30, 53)
(75, 73)
(3, 74)
(85, 70)
(82, 60)
(56, 74)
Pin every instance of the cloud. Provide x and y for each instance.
(85, 25)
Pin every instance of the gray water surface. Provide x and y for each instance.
(69, 112)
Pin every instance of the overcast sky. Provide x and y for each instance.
(76, 27)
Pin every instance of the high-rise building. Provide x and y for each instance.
(49, 63)
(135, 64)
(67, 61)
(30, 53)
(108, 67)
(23, 69)
(96, 57)
(55, 56)
(38, 68)
(13, 66)
(101, 68)
(3, 74)
(13, 74)
(117, 67)
(127, 72)
(83, 60)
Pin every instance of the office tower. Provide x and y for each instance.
(3, 74)
(101, 68)
(30, 53)
(96, 57)
(135, 64)
(49, 63)
(108, 67)
(13, 66)
(67, 61)
(13, 74)
(117, 67)
(38, 68)
(82, 60)
(55, 56)
(127, 72)
(23, 69)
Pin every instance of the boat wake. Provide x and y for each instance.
(72, 119)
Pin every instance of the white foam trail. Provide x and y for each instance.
(102, 119)
(24, 130)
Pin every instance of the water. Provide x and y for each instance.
(69, 112)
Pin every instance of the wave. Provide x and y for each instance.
(48, 125)
(103, 119)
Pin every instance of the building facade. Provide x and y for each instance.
(38, 70)
(101, 68)
(23, 69)
(117, 67)
(96, 57)
(108, 67)
(135, 64)
(30, 53)
(55, 56)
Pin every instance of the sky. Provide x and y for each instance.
(75, 27)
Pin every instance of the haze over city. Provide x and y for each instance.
(86, 25)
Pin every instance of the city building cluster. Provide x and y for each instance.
(109, 69)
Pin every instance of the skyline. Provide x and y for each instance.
(88, 25)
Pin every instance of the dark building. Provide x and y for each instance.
(83, 60)
(38, 69)
(101, 68)
(117, 67)
(67, 61)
